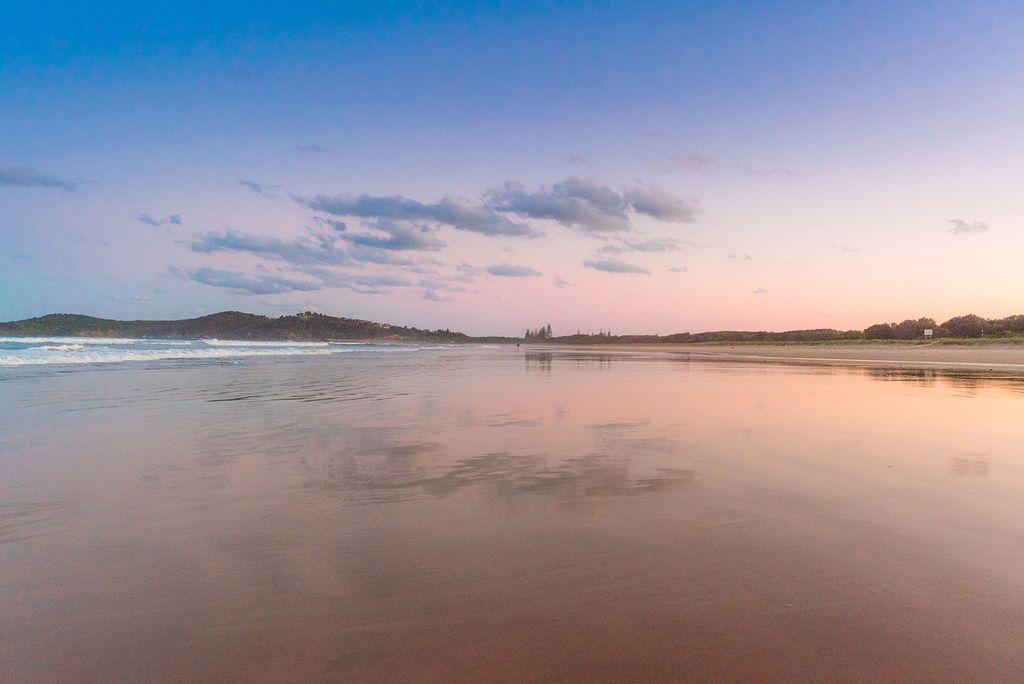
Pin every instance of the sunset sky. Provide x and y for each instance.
(644, 167)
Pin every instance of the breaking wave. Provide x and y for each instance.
(244, 343)
(92, 340)
(35, 351)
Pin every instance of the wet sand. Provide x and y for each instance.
(491, 515)
(1005, 357)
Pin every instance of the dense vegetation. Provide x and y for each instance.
(314, 326)
(962, 327)
(228, 325)
(718, 336)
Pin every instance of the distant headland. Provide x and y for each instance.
(229, 325)
(311, 326)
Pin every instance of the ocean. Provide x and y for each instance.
(209, 511)
(36, 351)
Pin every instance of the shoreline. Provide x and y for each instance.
(995, 357)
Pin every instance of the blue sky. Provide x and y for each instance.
(673, 166)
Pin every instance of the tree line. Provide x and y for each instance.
(958, 327)
(541, 333)
(966, 326)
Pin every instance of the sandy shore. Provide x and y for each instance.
(977, 357)
(478, 514)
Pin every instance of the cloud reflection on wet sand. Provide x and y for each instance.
(488, 514)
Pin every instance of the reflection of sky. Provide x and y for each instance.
(412, 505)
(826, 151)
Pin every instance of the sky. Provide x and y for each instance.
(639, 167)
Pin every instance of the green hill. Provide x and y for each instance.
(228, 325)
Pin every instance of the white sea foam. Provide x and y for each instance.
(75, 350)
(121, 355)
(94, 341)
(245, 343)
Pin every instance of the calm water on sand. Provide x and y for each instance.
(481, 514)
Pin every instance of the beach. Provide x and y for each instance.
(511, 342)
(988, 356)
(484, 513)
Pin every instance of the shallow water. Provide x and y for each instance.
(472, 513)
